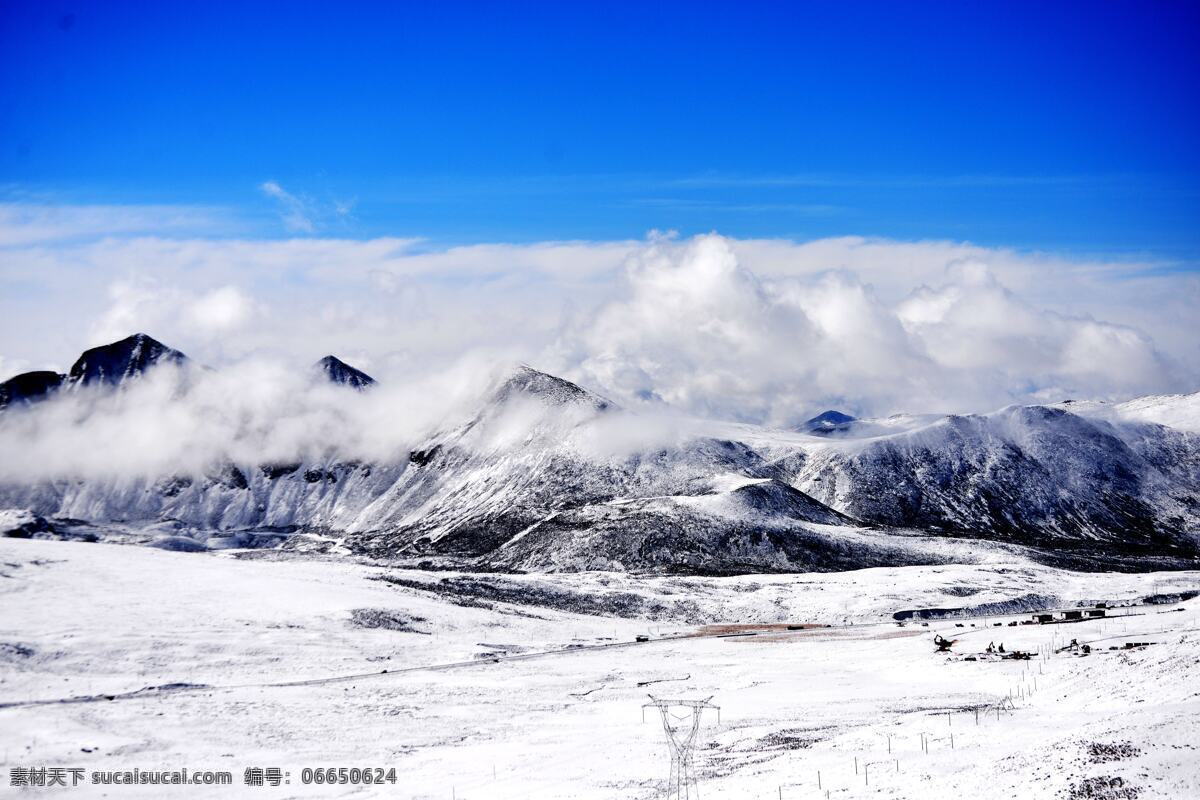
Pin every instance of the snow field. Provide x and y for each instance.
(86, 619)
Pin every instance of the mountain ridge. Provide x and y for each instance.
(126, 359)
(521, 484)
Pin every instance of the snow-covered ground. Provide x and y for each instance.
(487, 698)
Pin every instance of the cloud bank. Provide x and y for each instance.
(700, 331)
(755, 330)
(187, 421)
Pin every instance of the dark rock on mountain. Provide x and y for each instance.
(112, 364)
(29, 387)
(340, 372)
(16, 524)
(829, 422)
(273, 471)
(234, 478)
(315, 475)
(174, 485)
(422, 457)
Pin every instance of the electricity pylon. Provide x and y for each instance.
(681, 738)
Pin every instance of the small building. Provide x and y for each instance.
(1095, 612)
(1043, 618)
(1068, 615)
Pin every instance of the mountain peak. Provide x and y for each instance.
(338, 371)
(527, 381)
(29, 387)
(828, 422)
(113, 363)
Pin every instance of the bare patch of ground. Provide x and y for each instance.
(386, 619)
(1103, 787)
(734, 628)
(1100, 753)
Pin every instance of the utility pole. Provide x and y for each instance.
(681, 733)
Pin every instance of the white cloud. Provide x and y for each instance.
(301, 213)
(23, 224)
(13, 366)
(134, 306)
(185, 421)
(745, 329)
(699, 330)
(220, 311)
(296, 212)
(145, 304)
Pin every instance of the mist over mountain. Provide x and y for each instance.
(514, 468)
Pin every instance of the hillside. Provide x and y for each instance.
(545, 475)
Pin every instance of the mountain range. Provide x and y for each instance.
(114, 364)
(531, 480)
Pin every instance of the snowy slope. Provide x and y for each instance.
(1028, 474)
(520, 480)
(545, 475)
(1180, 411)
(517, 697)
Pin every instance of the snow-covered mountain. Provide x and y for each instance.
(545, 475)
(1180, 411)
(115, 363)
(1027, 474)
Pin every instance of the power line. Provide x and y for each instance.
(681, 730)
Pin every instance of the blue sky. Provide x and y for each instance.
(1062, 126)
